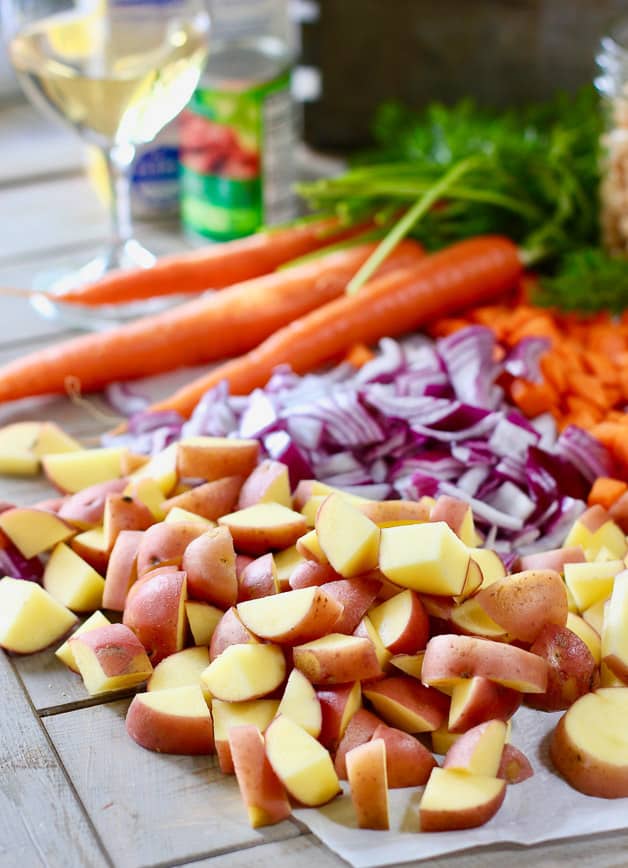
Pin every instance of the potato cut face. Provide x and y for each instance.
(615, 624)
(32, 530)
(300, 703)
(72, 581)
(65, 653)
(348, 538)
(181, 669)
(274, 616)
(73, 471)
(470, 617)
(258, 712)
(589, 583)
(185, 701)
(30, 618)
(262, 515)
(452, 789)
(245, 672)
(599, 723)
(425, 557)
(301, 763)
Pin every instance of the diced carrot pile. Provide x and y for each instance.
(584, 373)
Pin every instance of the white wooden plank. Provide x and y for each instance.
(42, 824)
(151, 808)
(64, 214)
(21, 153)
(46, 215)
(306, 850)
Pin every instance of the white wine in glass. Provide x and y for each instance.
(117, 71)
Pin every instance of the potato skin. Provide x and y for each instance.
(571, 671)
(583, 773)
(522, 603)
(581, 770)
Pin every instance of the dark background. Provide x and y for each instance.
(498, 51)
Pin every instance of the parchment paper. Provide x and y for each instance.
(542, 808)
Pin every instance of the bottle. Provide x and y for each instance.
(155, 188)
(612, 84)
(238, 133)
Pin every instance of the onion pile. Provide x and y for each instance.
(422, 418)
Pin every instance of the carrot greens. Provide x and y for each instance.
(450, 173)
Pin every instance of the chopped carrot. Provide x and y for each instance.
(538, 327)
(554, 371)
(587, 413)
(600, 365)
(359, 355)
(533, 398)
(619, 451)
(606, 490)
(588, 388)
(623, 382)
(447, 326)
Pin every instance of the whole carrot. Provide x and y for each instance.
(213, 327)
(213, 267)
(460, 276)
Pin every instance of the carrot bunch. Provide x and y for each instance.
(584, 373)
(300, 316)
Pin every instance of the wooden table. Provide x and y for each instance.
(74, 789)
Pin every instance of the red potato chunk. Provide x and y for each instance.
(572, 671)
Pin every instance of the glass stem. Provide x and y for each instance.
(118, 160)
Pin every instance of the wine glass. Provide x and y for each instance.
(117, 71)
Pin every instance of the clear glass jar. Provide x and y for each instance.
(612, 85)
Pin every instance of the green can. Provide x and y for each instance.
(237, 158)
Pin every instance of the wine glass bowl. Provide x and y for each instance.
(116, 71)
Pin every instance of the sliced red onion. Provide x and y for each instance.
(421, 418)
(524, 358)
(393, 444)
(281, 447)
(387, 364)
(14, 564)
(147, 423)
(421, 485)
(375, 491)
(512, 467)
(468, 355)
(511, 499)
(545, 425)
(553, 473)
(124, 399)
(435, 463)
(473, 452)
(258, 417)
(454, 434)
(526, 538)
(516, 418)
(472, 479)
(483, 511)
(341, 462)
(508, 438)
(585, 452)
(305, 431)
(555, 532)
(201, 422)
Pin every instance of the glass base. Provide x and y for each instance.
(130, 255)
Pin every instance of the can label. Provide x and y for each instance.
(155, 181)
(237, 159)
